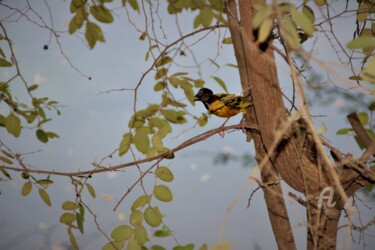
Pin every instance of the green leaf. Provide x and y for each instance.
(157, 143)
(69, 205)
(41, 135)
(6, 160)
(362, 42)
(7, 154)
(164, 232)
(32, 87)
(67, 218)
(188, 90)
(302, 21)
(265, 29)
(343, 131)
(153, 216)
(161, 73)
(52, 135)
(196, 22)
(309, 13)
(320, 3)
(141, 140)
(186, 247)
(125, 144)
(2, 121)
(44, 182)
(93, 34)
(13, 124)
(356, 78)
(133, 245)
(173, 116)
(121, 233)
(140, 235)
(81, 210)
(114, 245)
(363, 117)
(198, 83)
(162, 61)
(261, 15)
(203, 247)
(136, 122)
(202, 121)
(206, 16)
(227, 40)
(151, 153)
(72, 26)
(163, 193)
(80, 221)
(221, 83)
(5, 173)
(5, 63)
(101, 13)
(369, 71)
(160, 86)
(362, 12)
(136, 218)
(140, 202)
(371, 107)
(2, 54)
(26, 188)
(162, 132)
(133, 4)
(164, 174)
(214, 63)
(73, 241)
(45, 197)
(290, 33)
(157, 247)
(91, 190)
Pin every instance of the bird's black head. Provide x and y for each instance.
(203, 95)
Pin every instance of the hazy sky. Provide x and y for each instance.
(91, 126)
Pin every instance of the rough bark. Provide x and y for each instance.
(297, 154)
(272, 192)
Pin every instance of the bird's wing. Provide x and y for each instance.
(234, 101)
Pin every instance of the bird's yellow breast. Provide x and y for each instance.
(220, 109)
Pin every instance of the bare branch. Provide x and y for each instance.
(359, 130)
(183, 145)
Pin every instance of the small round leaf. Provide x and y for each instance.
(42, 136)
(163, 193)
(133, 245)
(140, 202)
(140, 235)
(69, 205)
(113, 245)
(121, 233)
(153, 216)
(164, 174)
(136, 218)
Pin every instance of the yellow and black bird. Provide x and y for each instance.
(221, 104)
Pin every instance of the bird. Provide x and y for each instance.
(222, 104)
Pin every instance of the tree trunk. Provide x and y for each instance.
(272, 189)
(294, 154)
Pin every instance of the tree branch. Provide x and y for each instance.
(359, 130)
(191, 141)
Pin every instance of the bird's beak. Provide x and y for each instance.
(196, 98)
